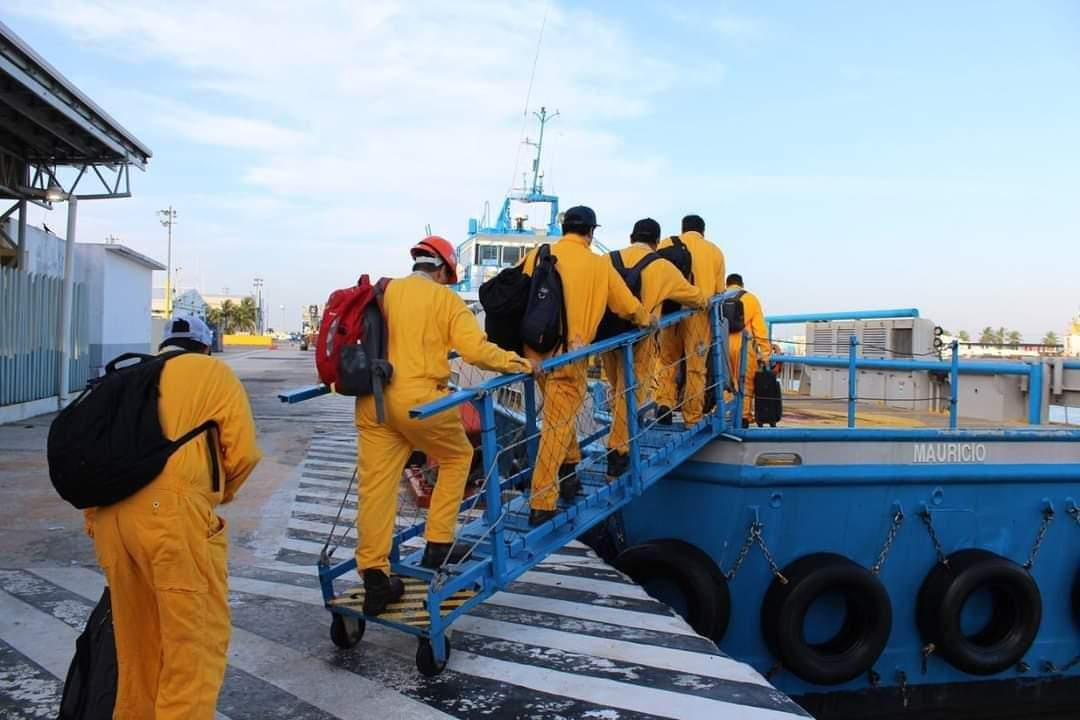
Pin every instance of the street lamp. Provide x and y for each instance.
(168, 219)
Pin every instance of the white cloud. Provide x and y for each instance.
(362, 122)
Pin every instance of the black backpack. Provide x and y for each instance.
(90, 687)
(768, 398)
(504, 299)
(732, 310)
(678, 255)
(544, 326)
(611, 324)
(108, 444)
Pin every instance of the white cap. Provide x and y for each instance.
(190, 327)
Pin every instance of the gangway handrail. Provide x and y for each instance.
(797, 318)
(465, 395)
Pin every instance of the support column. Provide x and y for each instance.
(20, 250)
(66, 300)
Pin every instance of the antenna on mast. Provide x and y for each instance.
(538, 177)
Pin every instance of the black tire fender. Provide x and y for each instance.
(693, 571)
(1016, 611)
(854, 649)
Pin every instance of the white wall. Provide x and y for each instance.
(126, 319)
(44, 251)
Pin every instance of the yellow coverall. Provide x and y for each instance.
(754, 318)
(164, 550)
(590, 286)
(425, 321)
(660, 281)
(690, 338)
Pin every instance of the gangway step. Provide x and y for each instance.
(410, 610)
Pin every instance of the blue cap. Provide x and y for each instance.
(580, 215)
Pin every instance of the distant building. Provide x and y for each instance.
(1072, 340)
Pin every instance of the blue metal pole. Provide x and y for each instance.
(851, 381)
(492, 486)
(630, 387)
(954, 384)
(719, 360)
(850, 315)
(1035, 379)
(737, 413)
(532, 444)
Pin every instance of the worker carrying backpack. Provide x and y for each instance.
(353, 343)
(544, 326)
(611, 324)
(678, 255)
(504, 299)
(732, 310)
(108, 443)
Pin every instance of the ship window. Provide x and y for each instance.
(489, 254)
(511, 254)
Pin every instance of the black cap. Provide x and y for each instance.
(580, 215)
(646, 230)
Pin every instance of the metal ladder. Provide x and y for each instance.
(503, 545)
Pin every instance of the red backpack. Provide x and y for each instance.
(351, 352)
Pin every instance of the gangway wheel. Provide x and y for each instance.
(425, 657)
(346, 632)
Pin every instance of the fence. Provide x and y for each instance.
(29, 336)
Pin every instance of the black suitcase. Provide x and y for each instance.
(90, 687)
(768, 400)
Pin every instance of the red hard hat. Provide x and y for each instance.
(441, 248)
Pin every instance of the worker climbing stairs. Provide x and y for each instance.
(499, 544)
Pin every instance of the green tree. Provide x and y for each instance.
(246, 315)
(1013, 337)
(963, 336)
(988, 336)
(1050, 338)
(228, 317)
(1000, 335)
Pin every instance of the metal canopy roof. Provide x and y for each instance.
(46, 123)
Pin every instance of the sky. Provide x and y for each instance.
(844, 155)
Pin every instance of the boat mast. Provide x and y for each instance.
(537, 188)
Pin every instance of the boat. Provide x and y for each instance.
(906, 543)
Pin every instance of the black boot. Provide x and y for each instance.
(617, 463)
(569, 485)
(663, 415)
(438, 554)
(380, 591)
(539, 517)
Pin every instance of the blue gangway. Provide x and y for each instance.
(501, 544)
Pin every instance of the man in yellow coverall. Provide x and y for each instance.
(660, 281)
(425, 320)
(691, 337)
(757, 355)
(164, 549)
(591, 285)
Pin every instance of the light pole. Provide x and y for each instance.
(258, 283)
(168, 219)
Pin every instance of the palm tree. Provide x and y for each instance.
(963, 336)
(988, 336)
(1000, 335)
(228, 317)
(1050, 338)
(246, 314)
(1013, 337)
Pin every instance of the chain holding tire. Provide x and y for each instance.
(754, 537)
(890, 538)
(1074, 513)
(928, 521)
(1050, 667)
(1048, 517)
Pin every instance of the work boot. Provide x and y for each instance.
(539, 517)
(380, 591)
(569, 485)
(663, 415)
(617, 463)
(438, 554)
